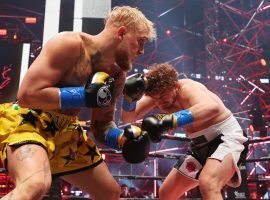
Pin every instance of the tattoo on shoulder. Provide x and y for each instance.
(25, 151)
(81, 56)
(95, 59)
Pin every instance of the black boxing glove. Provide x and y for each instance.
(154, 127)
(135, 86)
(99, 90)
(133, 142)
(157, 124)
(96, 93)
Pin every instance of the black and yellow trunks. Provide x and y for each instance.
(68, 146)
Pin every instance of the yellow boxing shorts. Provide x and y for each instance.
(69, 148)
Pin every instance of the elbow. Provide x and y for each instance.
(24, 98)
(214, 109)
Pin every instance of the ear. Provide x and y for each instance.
(177, 85)
(121, 32)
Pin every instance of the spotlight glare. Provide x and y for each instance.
(263, 62)
(103, 156)
(168, 32)
(3, 32)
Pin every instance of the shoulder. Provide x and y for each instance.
(64, 45)
(189, 86)
(190, 83)
(66, 37)
(66, 41)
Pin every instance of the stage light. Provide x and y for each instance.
(30, 20)
(15, 36)
(168, 32)
(103, 156)
(198, 76)
(145, 71)
(3, 32)
(264, 80)
(65, 189)
(263, 62)
(225, 40)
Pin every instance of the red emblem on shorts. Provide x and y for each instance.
(191, 166)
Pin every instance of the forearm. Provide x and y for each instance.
(128, 117)
(47, 98)
(133, 143)
(101, 129)
(143, 106)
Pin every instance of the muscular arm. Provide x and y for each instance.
(202, 103)
(39, 87)
(102, 119)
(143, 106)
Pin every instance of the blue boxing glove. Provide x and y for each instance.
(96, 93)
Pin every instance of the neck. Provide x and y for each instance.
(106, 43)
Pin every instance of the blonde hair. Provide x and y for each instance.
(132, 18)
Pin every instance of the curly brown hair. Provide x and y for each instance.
(160, 77)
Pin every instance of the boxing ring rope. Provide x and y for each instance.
(151, 154)
(258, 159)
(139, 177)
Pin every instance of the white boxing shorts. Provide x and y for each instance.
(215, 142)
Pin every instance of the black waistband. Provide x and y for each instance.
(199, 140)
(202, 140)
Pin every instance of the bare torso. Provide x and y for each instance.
(190, 95)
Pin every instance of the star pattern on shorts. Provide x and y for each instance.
(51, 127)
(91, 152)
(28, 118)
(80, 133)
(70, 157)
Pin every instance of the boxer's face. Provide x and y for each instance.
(165, 99)
(132, 45)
